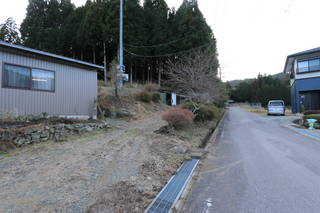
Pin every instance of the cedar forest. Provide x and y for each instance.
(153, 33)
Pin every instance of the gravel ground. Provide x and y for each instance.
(120, 170)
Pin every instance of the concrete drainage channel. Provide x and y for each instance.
(167, 199)
(171, 192)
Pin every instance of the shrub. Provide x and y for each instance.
(156, 97)
(101, 84)
(144, 96)
(178, 117)
(311, 112)
(312, 116)
(152, 87)
(203, 112)
(190, 106)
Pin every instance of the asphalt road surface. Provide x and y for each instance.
(257, 165)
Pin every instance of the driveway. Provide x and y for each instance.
(257, 165)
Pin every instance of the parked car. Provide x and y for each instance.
(276, 107)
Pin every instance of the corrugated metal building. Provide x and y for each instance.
(35, 82)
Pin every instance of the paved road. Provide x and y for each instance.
(257, 165)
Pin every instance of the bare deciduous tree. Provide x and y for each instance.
(195, 76)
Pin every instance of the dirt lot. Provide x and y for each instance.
(120, 170)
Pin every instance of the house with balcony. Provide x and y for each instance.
(304, 70)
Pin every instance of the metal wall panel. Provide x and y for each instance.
(75, 88)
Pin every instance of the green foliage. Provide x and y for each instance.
(44, 25)
(150, 29)
(144, 96)
(262, 89)
(207, 112)
(156, 97)
(188, 21)
(302, 108)
(9, 32)
(203, 112)
(190, 106)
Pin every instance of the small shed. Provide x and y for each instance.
(36, 82)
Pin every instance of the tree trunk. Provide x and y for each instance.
(131, 74)
(148, 74)
(73, 53)
(159, 76)
(105, 63)
(94, 55)
(135, 73)
(143, 80)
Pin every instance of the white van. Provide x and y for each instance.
(276, 107)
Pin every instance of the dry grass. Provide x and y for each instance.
(260, 110)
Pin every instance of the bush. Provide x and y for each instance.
(152, 87)
(190, 106)
(156, 97)
(204, 112)
(312, 116)
(178, 117)
(311, 112)
(144, 96)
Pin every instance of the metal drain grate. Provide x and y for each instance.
(172, 191)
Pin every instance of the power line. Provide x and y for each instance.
(166, 55)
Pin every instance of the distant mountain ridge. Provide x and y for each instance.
(235, 83)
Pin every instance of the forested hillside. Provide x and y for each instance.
(262, 89)
(153, 33)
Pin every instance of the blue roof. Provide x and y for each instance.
(314, 50)
(291, 57)
(39, 52)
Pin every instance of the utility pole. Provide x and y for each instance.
(121, 67)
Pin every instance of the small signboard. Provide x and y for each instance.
(123, 76)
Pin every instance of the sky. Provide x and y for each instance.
(253, 36)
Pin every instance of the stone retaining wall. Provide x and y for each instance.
(40, 133)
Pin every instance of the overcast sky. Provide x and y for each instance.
(253, 36)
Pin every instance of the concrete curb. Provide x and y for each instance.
(177, 206)
(303, 132)
(216, 132)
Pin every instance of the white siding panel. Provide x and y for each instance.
(75, 89)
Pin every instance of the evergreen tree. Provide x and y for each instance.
(43, 26)
(33, 24)
(91, 32)
(9, 32)
(262, 89)
(190, 26)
